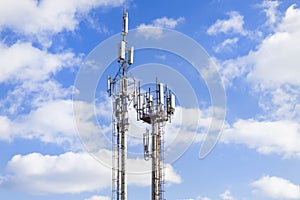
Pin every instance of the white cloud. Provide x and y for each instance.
(270, 9)
(272, 68)
(98, 198)
(279, 137)
(48, 16)
(24, 62)
(281, 103)
(165, 22)
(52, 122)
(44, 174)
(235, 24)
(275, 61)
(36, 173)
(31, 94)
(227, 195)
(276, 187)
(171, 176)
(155, 29)
(226, 44)
(5, 128)
(93, 22)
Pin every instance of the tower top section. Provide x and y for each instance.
(125, 56)
(125, 22)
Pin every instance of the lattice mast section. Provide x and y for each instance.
(155, 107)
(118, 88)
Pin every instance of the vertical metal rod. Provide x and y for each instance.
(121, 115)
(124, 129)
(156, 178)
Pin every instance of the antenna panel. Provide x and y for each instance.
(130, 55)
(139, 101)
(122, 51)
(161, 94)
(151, 98)
(108, 89)
(172, 99)
(125, 18)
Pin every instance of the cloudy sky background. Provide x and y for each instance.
(255, 45)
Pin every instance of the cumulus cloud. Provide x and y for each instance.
(272, 68)
(57, 174)
(22, 61)
(50, 123)
(53, 122)
(48, 16)
(276, 188)
(155, 29)
(279, 137)
(36, 173)
(276, 60)
(233, 25)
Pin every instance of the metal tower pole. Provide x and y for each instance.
(124, 129)
(118, 88)
(155, 110)
(156, 165)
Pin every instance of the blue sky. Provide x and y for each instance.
(50, 146)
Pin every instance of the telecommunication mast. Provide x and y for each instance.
(155, 107)
(117, 87)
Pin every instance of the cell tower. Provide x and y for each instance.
(155, 107)
(117, 87)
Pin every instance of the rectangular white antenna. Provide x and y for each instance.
(130, 55)
(141, 102)
(145, 100)
(108, 89)
(122, 51)
(134, 99)
(146, 144)
(151, 98)
(161, 94)
(139, 97)
(125, 28)
(172, 99)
